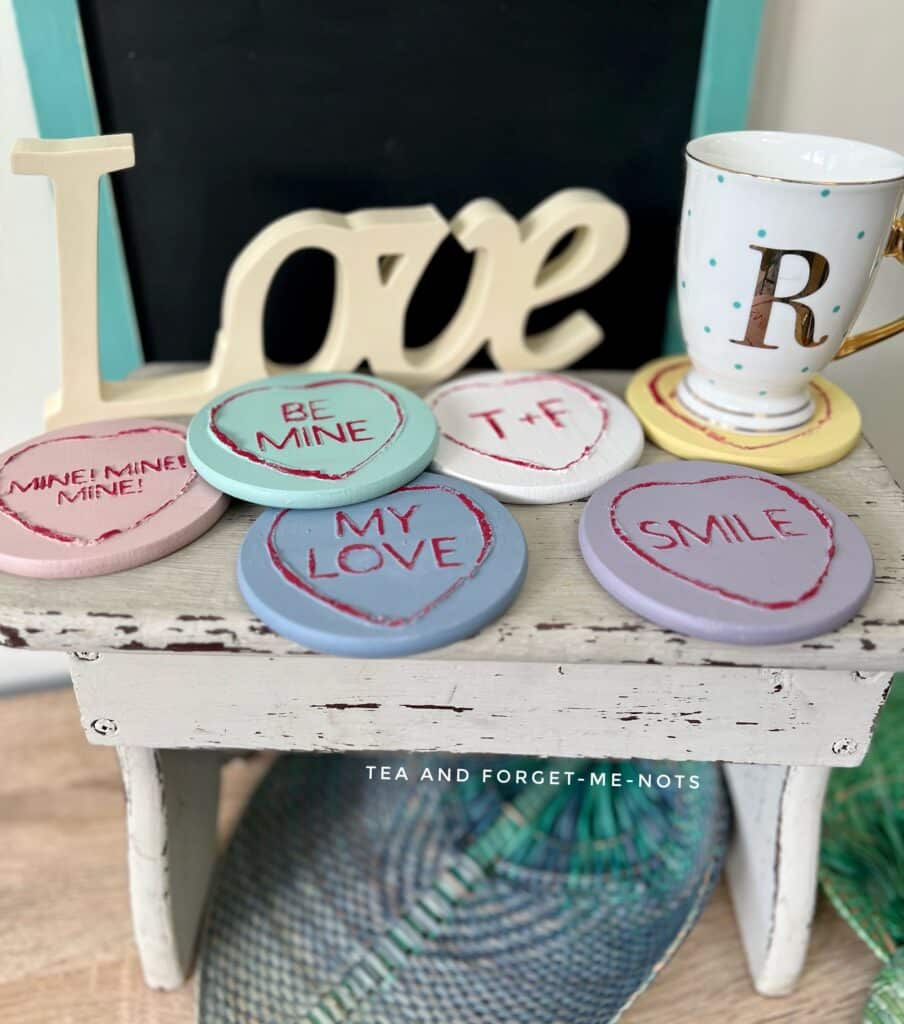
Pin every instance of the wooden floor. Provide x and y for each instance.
(66, 955)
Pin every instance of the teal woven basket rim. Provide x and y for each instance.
(404, 911)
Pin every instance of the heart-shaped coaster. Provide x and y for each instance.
(100, 497)
(312, 440)
(419, 568)
(533, 438)
(725, 552)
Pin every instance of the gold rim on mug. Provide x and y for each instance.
(792, 181)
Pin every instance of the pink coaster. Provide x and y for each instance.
(100, 497)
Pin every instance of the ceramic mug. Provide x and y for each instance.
(781, 236)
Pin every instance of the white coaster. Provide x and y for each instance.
(533, 438)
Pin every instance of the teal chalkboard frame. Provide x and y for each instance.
(50, 35)
(54, 51)
(724, 83)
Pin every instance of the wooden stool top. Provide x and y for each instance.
(189, 601)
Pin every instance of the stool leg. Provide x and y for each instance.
(772, 866)
(172, 799)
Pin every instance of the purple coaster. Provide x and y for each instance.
(725, 553)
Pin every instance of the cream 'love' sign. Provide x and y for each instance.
(379, 256)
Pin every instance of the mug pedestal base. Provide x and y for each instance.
(826, 437)
(794, 412)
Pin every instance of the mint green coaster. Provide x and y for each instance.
(312, 440)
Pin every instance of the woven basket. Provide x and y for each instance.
(344, 899)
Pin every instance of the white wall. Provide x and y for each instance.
(834, 66)
(28, 305)
(828, 66)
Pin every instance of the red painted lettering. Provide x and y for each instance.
(490, 416)
(729, 523)
(403, 562)
(778, 524)
(315, 435)
(291, 436)
(293, 411)
(33, 485)
(403, 517)
(553, 415)
(743, 526)
(312, 568)
(78, 495)
(344, 556)
(357, 433)
(712, 524)
(318, 433)
(442, 550)
(343, 520)
(299, 412)
(647, 527)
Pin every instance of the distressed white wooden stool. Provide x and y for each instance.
(171, 668)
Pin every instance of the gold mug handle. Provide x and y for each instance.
(894, 247)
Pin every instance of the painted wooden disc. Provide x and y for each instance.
(533, 438)
(827, 437)
(312, 440)
(100, 497)
(726, 553)
(429, 564)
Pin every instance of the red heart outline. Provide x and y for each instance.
(595, 399)
(317, 474)
(65, 538)
(822, 518)
(672, 405)
(289, 574)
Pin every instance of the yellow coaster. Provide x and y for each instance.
(827, 437)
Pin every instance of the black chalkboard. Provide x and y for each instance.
(244, 110)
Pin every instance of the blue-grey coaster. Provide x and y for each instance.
(422, 567)
(346, 900)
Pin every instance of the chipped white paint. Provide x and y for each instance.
(566, 671)
(561, 615)
(772, 866)
(713, 714)
(753, 715)
(171, 812)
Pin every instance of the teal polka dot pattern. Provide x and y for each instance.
(736, 304)
(805, 369)
(707, 329)
(684, 284)
(712, 261)
(835, 309)
(761, 233)
(720, 178)
(739, 366)
(761, 393)
(860, 234)
(825, 192)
